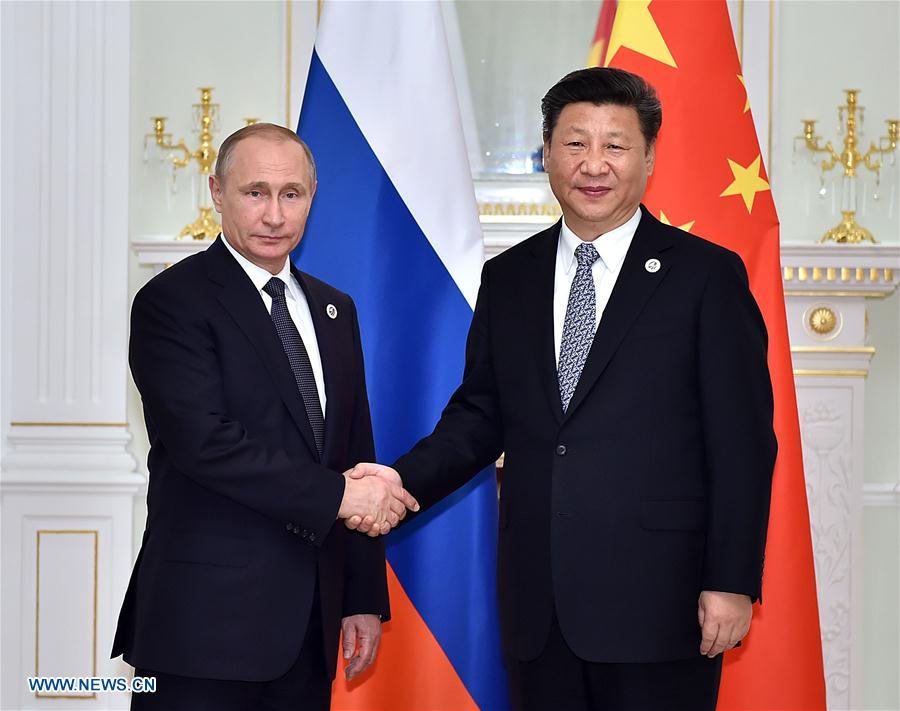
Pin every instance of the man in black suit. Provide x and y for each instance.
(251, 376)
(620, 364)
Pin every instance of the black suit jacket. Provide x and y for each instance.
(241, 507)
(654, 485)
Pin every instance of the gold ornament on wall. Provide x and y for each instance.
(850, 121)
(822, 320)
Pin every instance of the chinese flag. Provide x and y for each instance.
(597, 55)
(710, 179)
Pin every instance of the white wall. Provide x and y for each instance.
(825, 47)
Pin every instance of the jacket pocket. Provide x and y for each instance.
(208, 549)
(674, 515)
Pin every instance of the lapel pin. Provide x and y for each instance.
(652, 265)
(331, 310)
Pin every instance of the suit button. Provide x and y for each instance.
(296, 529)
(290, 527)
(312, 537)
(561, 450)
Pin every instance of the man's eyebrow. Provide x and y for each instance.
(261, 184)
(614, 133)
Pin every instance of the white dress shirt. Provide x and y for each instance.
(298, 308)
(612, 248)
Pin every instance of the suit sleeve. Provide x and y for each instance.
(173, 359)
(468, 437)
(365, 575)
(737, 414)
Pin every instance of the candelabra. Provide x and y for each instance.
(848, 230)
(206, 118)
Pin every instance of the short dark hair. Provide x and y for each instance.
(271, 131)
(604, 85)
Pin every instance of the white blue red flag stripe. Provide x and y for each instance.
(394, 224)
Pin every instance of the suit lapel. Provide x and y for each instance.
(244, 304)
(329, 354)
(633, 288)
(537, 297)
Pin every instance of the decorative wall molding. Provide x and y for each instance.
(68, 449)
(160, 252)
(44, 625)
(68, 482)
(66, 210)
(826, 288)
(881, 494)
(840, 270)
(832, 451)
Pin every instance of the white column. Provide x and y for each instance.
(826, 288)
(68, 481)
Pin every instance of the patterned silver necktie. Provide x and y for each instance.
(298, 357)
(578, 328)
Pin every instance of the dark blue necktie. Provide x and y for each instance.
(578, 328)
(298, 357)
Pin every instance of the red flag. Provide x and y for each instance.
(710, 179)
(597, 55)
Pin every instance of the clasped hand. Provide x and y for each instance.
(374, 499)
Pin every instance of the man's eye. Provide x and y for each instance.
(614, 147)
(254, 193)
(291, 196)
(575, 144)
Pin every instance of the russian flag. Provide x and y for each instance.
(394, 224)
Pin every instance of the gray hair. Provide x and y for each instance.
(269, 131)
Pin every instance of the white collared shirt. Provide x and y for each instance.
(298, 308)
(612, 248)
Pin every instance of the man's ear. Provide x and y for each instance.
(650, 158)
(215, 191)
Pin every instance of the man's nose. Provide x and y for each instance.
(595, 162)
(273, 215)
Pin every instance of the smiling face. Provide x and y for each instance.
(598, 162)
(264, 199)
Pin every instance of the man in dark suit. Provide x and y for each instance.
(620, 364)
(251, 376)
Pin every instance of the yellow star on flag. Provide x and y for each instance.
(744, 84)
(746, 182)
(665, 220)
(635, 28)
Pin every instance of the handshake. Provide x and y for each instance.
(374, 499)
